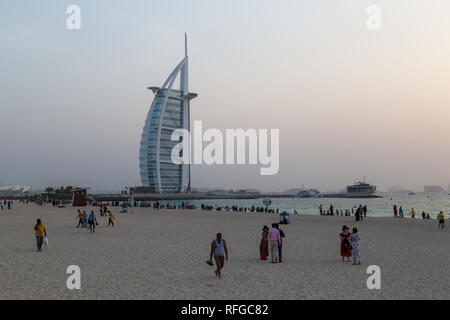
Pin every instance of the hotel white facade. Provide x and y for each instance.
(168, 112)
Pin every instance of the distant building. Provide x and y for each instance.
(15, 191)
(433, 189)
(247, 191)
(79, 197)
(168, 112)
(220, 192)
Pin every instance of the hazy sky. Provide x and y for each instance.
(349, 102)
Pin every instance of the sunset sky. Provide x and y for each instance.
(349, 101)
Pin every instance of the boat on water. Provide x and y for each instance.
(361, 188)
(308, 193)
(411, 194)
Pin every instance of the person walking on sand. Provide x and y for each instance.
(400, 212)
(80, 218)
(346, 249)
(395, 212)
(280, 246)
(365, 211)
(441, 219)
(110, 218)
(264, 245)
(413, 214)
(354, 239)
(92, 220)
(321, 209)
(85, 218)
(274, 240)
(220, 251)
(40, 233)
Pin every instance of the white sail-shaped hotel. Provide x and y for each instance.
(168, 112)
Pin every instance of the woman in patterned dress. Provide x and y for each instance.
(264, 245)
(346, 249)
(354, 238)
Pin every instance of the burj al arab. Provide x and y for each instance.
(168, 112)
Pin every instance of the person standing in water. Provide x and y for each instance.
(395, 212)
(40, 233)
(400, 212)
(220, 252)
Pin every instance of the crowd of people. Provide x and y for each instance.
(271, 243)
(360, 213)
(89, 221)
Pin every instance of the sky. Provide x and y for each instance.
(349, 101)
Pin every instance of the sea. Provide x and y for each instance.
(377, 207)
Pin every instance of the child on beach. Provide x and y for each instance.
(354, 238)
(80, 218)
(441, 219)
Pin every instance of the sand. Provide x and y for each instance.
(161, 255)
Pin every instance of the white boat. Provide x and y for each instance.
(361, 188)
(308, 193)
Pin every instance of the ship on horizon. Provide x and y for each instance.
(361, 188)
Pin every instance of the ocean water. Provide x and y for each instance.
(379, 207)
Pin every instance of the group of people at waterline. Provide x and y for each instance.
(361, 212)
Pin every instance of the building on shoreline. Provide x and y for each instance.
(433, 189)
(168, 112)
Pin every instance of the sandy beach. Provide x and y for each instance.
(161, 255)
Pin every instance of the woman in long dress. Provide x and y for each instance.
(354, 238)
(264, 245)
(346, 249)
